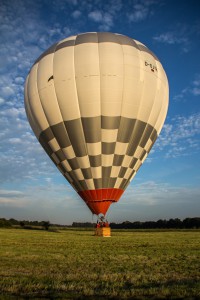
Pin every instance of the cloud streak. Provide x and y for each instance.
(105, 19)
(60, 204)
(174, 38)
(180, 137)
(141, 10)
(181, 36)
(161, 200)
(192, 89)
(21, 154)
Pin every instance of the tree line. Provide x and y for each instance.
(187, 223)
(24, 224)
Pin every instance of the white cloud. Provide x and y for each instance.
(107, 13)
(13, 112)
(12, 198)
(169, 38)
(11, 202)
(59, 203)
(174, 38)
(147, 193)
(11, 193)
(141, 10)
(25, 35)
(95, 16)
(15, 140)
(76, 14)
(105, 19)
(156, 200)
(180, 138)
(48, 179)
(139, 14)
(192, 89)
(182, 36)
(195, 90)
(182, 95)
(7, 91)
(19, 80)
(1, 101)
(20, 152)
(47, 201)
(196, 82)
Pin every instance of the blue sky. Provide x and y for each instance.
(168, 183)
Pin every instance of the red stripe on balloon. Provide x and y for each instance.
(99, 200)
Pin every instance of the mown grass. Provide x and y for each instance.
(72, 264)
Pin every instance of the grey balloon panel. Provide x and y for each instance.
(50, 50)
(92, 129)
(90, 126)
(73, 164)
(96, 162)
(96, 38)
(60, 132)
(110, 122)
(69, 43)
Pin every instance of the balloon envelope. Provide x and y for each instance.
(97, 102)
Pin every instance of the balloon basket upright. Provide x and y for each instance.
(103, 231)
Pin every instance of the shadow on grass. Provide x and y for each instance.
(190, 283)
(72, 297)
(51, 295)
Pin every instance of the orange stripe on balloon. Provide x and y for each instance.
(99, 200)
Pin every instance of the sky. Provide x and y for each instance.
(168, 183)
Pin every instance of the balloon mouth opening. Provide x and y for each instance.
(101, 215)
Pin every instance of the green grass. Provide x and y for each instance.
(73, 263)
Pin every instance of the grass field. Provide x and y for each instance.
(74, 264)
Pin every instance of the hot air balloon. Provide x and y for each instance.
(97, 102)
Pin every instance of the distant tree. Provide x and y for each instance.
(137, 225)
(127, 225)
(13, 221)
(191, 223)
(4, 223)
(46, 225)
(196, 222)
(35, 223)
(22, 224)
(82, 224)
(161, 223)
(174, 223)
(149, 225)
